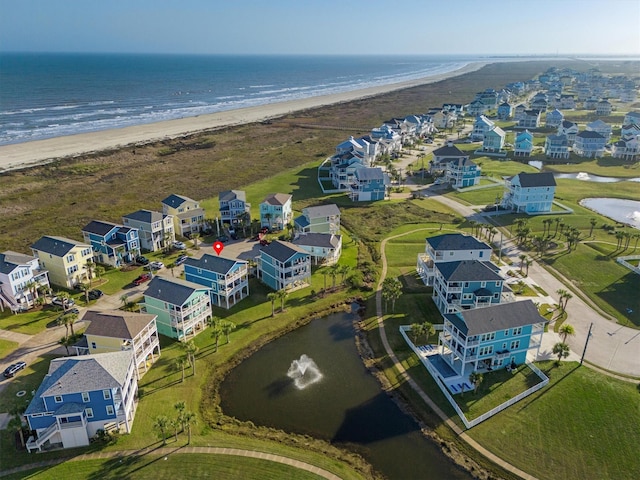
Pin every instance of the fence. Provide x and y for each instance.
(625, 262)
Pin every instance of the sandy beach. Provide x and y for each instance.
(42, 151)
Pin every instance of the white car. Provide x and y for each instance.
(59, 302)
(179, 246)
(156, 265)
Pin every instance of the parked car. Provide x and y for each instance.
(156, 265)
(223, 238)
(11, 370)
(60, 302)
(179, 246)
(181, 259)
(145, 277)
(140, 260)
(95, 294)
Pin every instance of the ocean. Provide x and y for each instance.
(51, 95)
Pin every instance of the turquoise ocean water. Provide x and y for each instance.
(51, 95)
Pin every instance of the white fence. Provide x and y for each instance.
(625, 262)
(472, 423)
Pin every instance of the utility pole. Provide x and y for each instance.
(586, 342)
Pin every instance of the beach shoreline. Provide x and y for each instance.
(39, 152)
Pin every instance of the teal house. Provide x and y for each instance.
(283, 265)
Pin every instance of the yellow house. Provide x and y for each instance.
(188, 216)
(115, 330)
(65, 259)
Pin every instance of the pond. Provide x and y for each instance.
(586, 177)
(620, 210)
(312, 381)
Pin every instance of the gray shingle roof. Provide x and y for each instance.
(9, 261)
(213, 263)
(146, 216)
(322, 211)
(230, 195)
(542, 179)
(282, 251)
(496, 318)
(85, 373)
(174, 291)
(468, 271)
(324, 240)
(277, 198)
(370, 174)
(589, 134)
(449, 151)
(99, 227)
(56, 246)
(116, 323)
(174, 201)
(456, 241)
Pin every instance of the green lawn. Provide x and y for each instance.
(6, 347)
(173, 466)
(29, 323)
(28, 380)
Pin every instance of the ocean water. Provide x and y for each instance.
(50, 95)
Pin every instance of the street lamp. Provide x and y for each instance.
(586, 342)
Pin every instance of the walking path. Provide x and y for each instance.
(165, 451)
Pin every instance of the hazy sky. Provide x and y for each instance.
(322, 26)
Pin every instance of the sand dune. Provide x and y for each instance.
(42, 151)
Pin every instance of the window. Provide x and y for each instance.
(70, 258)
(57, 399)
(488, 336)
(485, 350)
(85, 397)
(496, 295)
(515, 345)
(93, 345)
(506, 332)
(110, 410)
(517, 331)
(89, 412)
(483, 284)
(106, 394)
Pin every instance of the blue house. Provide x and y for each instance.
(556, 146)
(228, 279)
(466, 284)
(505, 111)
(369, 184)
(112, 244)
(233, 206)
(523, 145)
(81, 395)
(589, 144)
(530, 193)
(283, 265)
(554, 118)
(488, 338)
(493, 140)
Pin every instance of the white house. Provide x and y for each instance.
(20, 279)
(530, 193)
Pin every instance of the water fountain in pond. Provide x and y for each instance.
(304, 372)
(582, 176)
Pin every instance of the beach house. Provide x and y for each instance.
(64, 259)
(188, 216)
(20, 279)
(155, 229)
(554, 118)
(283, 265)
(626, 149)
(485, 339)
(481, 125)
(530, 193)
(112, 244)
(81, 395)
(505, 111)
(182, 308)
(449, 247)
(275, 211)
(465, 284)
(632, 118)
(117, 330)
(589, 144)
(569, 129)
(603, 108)
(462, 172)
(493, 140)
(369, 184)
(600, 127)
(227, 279)
(319, 219)
(324, 248)
(530, 119)
(361, 148)
(523, 145)
(233, 206)
(556, 146)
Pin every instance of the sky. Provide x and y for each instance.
(407, 27)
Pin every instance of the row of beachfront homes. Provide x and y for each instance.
(65, 263)
(589, 143)
(484, 327)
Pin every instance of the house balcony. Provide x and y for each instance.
(450, 289)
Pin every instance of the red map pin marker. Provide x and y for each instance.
(218, 246)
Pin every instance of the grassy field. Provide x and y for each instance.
(154, 467)
(31, 322)
(6, 347)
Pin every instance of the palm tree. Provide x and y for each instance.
(32, 288)
(70, 319)
(180, 407)
(216, 331)
(85, 287)
(272, 297)
(99, 269)
(562, 350)
(391, 291)
(181, 364)
(476, 378)
(190, 420)
(334, 271)
(427, 330)
(171, 266)
(66, 342)
(416, 331)
(619, 237)
(565, 330)
(15, 424)
(64, 296)
(522, 258)
(558, 220)
(227, 327)
(191, 348)
(175, 424)
(593, 223)
(90, 268)
(527, 263)
(124, 298)
(161, 423)
(282, 295)
(195, 236)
